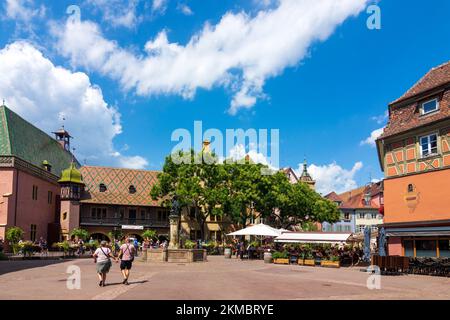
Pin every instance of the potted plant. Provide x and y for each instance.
(280, 257)
(309, 259)
(13, 235)
(332, 262)
(80, 234)
(149, 234)
(189, 244)
(28, 248)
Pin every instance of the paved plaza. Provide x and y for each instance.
(218, 278)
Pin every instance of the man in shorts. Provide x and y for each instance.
(126, 255)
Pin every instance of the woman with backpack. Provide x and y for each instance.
(102, 257)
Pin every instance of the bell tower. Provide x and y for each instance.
(63, 137)
(306, 177)
(72, 187)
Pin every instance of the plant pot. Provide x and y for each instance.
(330, 264)
(268, 257)
(227, 253)
(281, 261)
(309, 262)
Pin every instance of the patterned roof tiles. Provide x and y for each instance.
(21, 139)
(117, 182)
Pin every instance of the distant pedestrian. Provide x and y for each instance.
(102, 257)
(126, 255)
(43, 246)
(136, 246)
(80, 247)
(241, 250)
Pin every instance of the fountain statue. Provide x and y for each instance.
(174, 219)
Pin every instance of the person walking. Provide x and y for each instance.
(136, 246)
(126, 255)
(102, 257)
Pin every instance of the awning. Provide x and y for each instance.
(418, 232)
(313, 237)
(257, 230)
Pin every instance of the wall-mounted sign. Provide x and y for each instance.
(132, 227)
(411, 197)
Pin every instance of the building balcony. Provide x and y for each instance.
(116, 222)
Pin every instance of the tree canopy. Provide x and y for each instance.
(238, 190)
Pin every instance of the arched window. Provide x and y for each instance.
(102, 187)
(410, 188)
(132, 189)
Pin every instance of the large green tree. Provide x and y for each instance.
(237, 190)
(197, 182)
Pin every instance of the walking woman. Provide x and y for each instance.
(126, 255)
(102, 257)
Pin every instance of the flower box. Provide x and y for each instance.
(281, 261)
(330, 264)
(309, 262)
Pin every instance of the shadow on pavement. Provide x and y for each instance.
(130, 283)
(18, 265)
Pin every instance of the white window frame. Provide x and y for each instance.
(422, 110)
(428, 136)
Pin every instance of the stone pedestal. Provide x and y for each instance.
(176, 255)
(174, 241)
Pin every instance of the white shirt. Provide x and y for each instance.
(102, 255)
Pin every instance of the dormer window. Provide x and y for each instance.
(429, 106)
(132, 189)
(428, 145)
(102, 187)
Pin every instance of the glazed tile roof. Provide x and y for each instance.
(22, 139)
(118, 182)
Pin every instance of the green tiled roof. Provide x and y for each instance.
(21, 139)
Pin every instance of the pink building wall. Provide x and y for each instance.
(25, 210)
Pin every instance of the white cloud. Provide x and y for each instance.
(240, 52)
(43, 93)
(118, 13)
(159, 6)
(332, 177)
(373, 136)
(23, 10)
(239, 152)
(185, 9)
(381, 118)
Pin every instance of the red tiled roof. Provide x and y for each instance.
(118, 182)
(435, 77)
(404, 117)
(354, 199)
(333, 197)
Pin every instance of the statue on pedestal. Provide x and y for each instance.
(174, 219)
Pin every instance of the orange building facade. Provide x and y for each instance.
(414, 153)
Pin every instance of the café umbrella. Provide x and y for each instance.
(260, 229)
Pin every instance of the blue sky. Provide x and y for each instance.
(326, 90)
